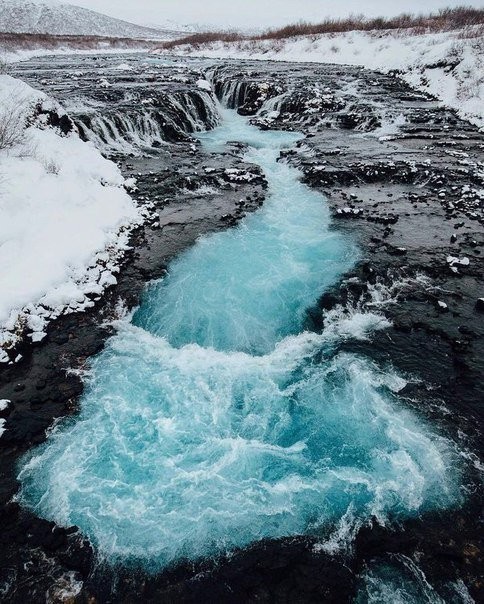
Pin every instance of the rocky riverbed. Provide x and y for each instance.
(403, 177)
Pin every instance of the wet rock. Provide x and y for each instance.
(442, 306)
(6, 407)
(403, 323)
(328, 301)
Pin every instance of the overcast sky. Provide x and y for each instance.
(256, 13)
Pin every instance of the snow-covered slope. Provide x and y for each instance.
(65, 217)
(172, 26)
(448, 65)
(52, 17)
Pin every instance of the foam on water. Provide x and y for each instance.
(210, 421)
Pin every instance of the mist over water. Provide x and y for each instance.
(213, 420)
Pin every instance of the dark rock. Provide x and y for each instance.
(6, 408)
(396, 251)
(403, 324)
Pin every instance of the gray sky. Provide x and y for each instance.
(256, 13)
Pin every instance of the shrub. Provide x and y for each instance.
(25, 41)
(4, 66)
(13, 121)
(445, 20)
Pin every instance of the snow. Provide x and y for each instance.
(124, 67)
(389, 127)
(204, 85)
(447, 65)
(64, 218)
(452, 260)
(18, 55)
(21, 94)
(4, 403)
(57, 18)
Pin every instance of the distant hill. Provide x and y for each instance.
(55, 18)
(172, 26)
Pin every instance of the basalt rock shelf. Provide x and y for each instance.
(404, 180)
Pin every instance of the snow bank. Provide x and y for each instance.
(447, 65)
(64, 218)
(20, 55)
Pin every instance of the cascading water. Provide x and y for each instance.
(212, 420)
(272, 107)
(232, 93)
(121, 133)
(136, 130)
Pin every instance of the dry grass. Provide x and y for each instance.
(13, 121)
(445, 20)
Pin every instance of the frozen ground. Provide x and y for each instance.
(14, 56)
(446, 65)
(64, 217)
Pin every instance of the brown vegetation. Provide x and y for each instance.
(445, 20)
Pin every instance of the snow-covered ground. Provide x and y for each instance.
(19, 55)
(65, 217)
(447, 65)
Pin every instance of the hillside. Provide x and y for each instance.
(55, 18)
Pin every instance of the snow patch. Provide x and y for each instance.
(204, 85)
(124, 67)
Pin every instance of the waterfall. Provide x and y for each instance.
(122, 132)
(233, 95)
(272, 105)
(170, 118)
